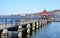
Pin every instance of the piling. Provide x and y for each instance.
(37, 26)
(20, 32)
(40, 23)
(28, 28)
(33, 26)
(4, 33)
(44, 22)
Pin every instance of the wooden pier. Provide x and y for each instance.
(29, 26)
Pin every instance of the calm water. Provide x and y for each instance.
(51, 30)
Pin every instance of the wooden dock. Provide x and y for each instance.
(29, 26)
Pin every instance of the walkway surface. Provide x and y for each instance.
(21, 23)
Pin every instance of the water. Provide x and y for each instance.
(50, 31)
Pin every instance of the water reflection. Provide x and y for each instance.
(12, 34)
(28, 35)
(37, 30)
(51, 30)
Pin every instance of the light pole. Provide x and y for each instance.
(11, 22)
(6, 22)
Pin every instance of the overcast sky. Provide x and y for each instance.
(27, 6)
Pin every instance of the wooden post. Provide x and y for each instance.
(20, 32)
(33, 26)
(28, 28)
(40, 23)
(43, 22)
(4, 33)
(46, 21)
(37, 26)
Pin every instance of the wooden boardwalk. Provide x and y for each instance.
(21, 23)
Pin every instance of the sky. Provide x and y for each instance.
(8, 7)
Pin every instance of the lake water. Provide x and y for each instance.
(51, 30)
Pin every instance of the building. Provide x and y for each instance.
(45, 15)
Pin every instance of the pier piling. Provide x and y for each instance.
(28, 28)
(33, 26)
(20, 32)
(4, 33)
